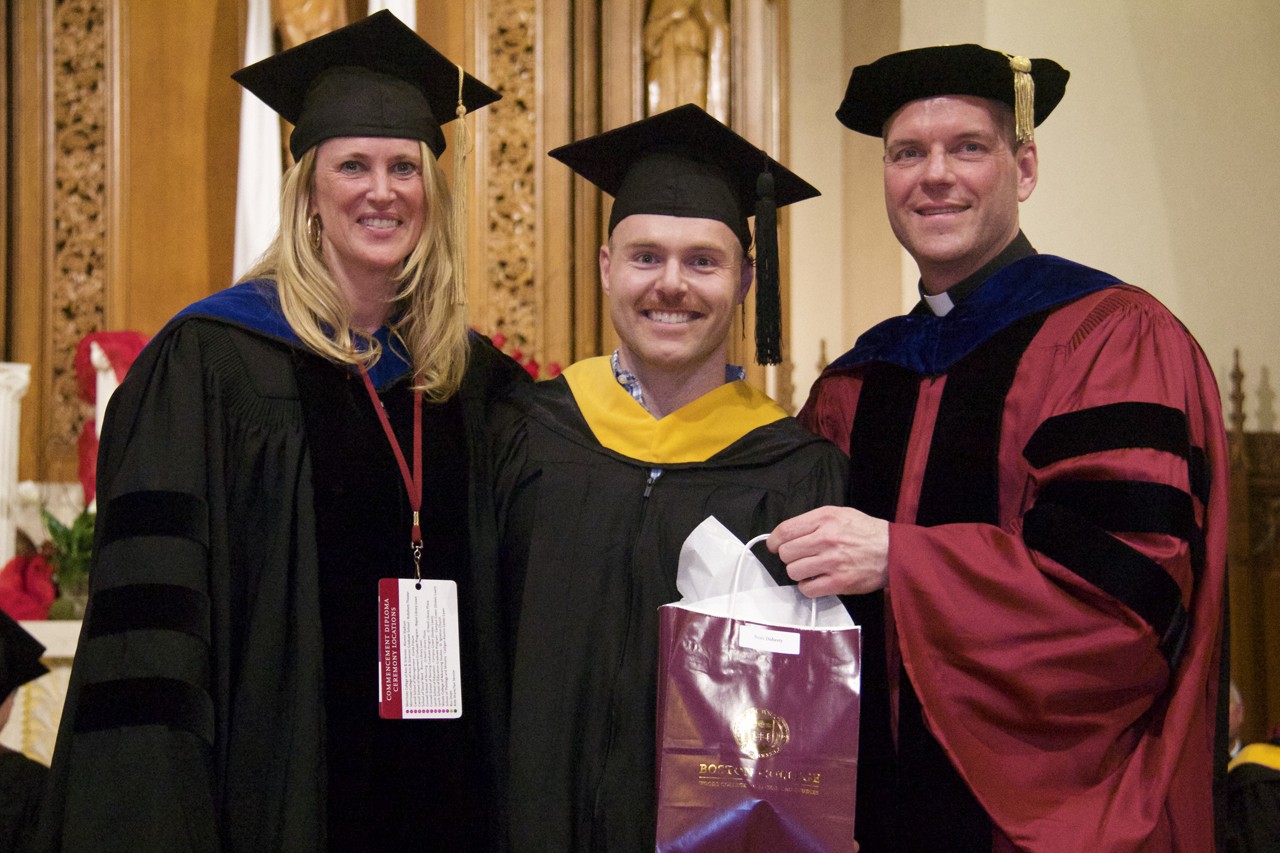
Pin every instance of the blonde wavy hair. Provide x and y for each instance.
(425, 317)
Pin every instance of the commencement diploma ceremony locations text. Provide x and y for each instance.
(419, 674)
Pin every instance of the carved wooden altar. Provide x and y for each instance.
(1254, 567)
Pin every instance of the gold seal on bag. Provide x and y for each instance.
(760, 733)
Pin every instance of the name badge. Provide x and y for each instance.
(419, 673)
(764, 639)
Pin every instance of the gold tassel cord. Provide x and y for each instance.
(460, 151)
(1024, 99)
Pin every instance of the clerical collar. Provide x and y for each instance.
(1018, 248)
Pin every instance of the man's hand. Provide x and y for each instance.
(834, 550)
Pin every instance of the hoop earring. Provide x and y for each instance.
(315, 228)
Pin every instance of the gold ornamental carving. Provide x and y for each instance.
(512, 234)
(77, 288)
(686, 51)
(299, 21)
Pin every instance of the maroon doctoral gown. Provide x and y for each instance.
(1045, 669)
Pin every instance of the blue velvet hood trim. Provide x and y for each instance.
(255, 305)
(927, 344)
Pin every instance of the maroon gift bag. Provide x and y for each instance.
(757, 735)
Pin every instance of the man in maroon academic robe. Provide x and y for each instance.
(1037, 532)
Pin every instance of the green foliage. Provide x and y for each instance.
(72, 548)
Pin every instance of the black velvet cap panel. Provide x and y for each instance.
(879, 90)
(682, 162)
(376, 77)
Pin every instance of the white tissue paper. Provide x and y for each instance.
(704, 577)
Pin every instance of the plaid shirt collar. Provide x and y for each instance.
(628, 380)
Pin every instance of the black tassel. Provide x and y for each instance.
(768, 297)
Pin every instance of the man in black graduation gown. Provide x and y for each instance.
(607, 469)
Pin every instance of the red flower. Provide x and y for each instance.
(26, 587)
(499, 340)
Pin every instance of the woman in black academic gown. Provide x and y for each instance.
(259, 528)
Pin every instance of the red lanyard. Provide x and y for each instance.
(412, 482)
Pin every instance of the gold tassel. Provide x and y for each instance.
(1024, 99)
(460, 145)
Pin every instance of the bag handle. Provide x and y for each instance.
(737, 575)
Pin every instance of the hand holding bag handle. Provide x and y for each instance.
(737, 575)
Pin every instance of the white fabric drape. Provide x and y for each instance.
(258, 186)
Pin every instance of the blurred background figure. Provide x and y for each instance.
(1235, 720)
(21, 778)
(1253, 792)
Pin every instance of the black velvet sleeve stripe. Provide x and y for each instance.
(1112, 427)
(156, 514)
(1198, 470)
(1125, 505)
(878, 438)
(149, 606)
(961, 479)
(1131, 506)
(145, 702)
(1131, 578)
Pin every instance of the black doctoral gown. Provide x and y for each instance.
(599, 537)
(198, 714)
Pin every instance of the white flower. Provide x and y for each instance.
(28, 493)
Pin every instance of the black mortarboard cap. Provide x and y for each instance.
(376, 77)
(1031, 87)
(19, 656)
(683, 162)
